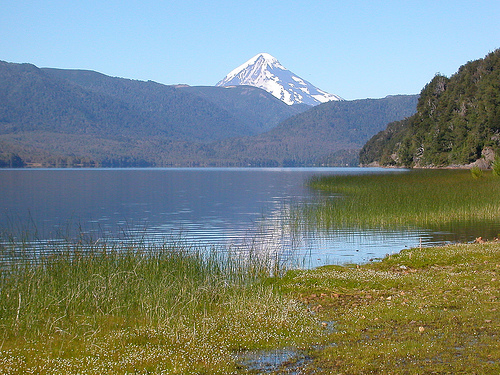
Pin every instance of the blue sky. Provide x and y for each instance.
(355, 49)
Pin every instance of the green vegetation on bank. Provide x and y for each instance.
(423, 311)
(425, 198)
(457, 121)
(111, 309)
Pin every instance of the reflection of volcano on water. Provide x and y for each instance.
(303, 246)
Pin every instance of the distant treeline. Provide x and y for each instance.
(10, 160)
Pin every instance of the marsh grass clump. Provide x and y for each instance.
(495, 167)
(416, 198)
(137, 308)
(476, 172)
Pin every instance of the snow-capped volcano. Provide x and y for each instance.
(265, 71)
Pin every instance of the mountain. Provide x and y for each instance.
(257, 109)
(265, 71)
(60, 118)
(457, 122)
(32, 99)
(191, 113)
(64, 117)
(328, 134)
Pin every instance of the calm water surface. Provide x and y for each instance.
(231, 207)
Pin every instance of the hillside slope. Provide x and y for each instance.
(257, 109)
(328, 134)
(57, 117)
(457, 122)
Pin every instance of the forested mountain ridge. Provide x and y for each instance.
(259, 111)
(457, 121)
(236, 111)
(331, 133)
(33, 99)
(53, 117)
(56, 117)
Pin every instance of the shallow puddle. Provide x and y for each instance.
(286, 360)
(267, 361)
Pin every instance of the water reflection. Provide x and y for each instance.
(238, 209)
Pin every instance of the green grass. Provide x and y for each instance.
(423, 311)
(105, 309)
(426, 198)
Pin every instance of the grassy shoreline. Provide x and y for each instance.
(422, 311)
(142, 309)
(425, 311)
(172, 309)
(430, 310)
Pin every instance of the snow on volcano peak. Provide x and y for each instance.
(266, 72)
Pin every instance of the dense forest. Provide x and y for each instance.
(54, 117)
(328, 134)
(76, 118)
(457, 122)
(189, 113)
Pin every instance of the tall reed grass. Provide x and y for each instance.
(413, 198)
(135, 308)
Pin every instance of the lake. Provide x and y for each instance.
(236, 208)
